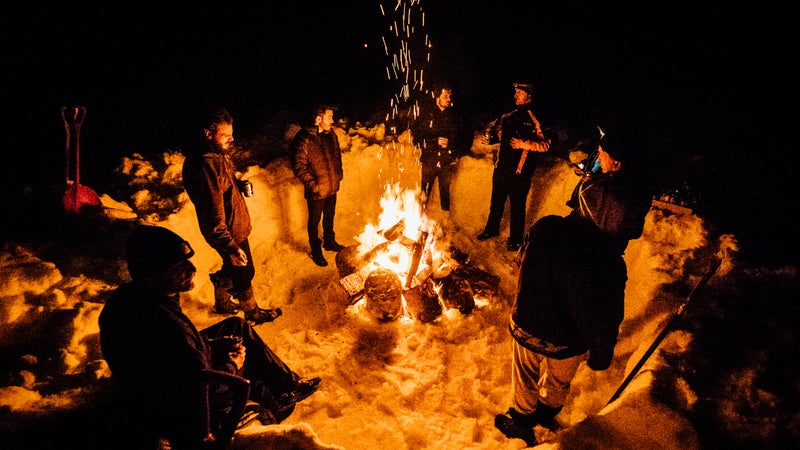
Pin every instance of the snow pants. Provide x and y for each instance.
(537, 377)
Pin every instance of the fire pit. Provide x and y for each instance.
(402, 271)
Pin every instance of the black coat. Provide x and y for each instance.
(432, 123)
(523, 124)
(156, 356)
(571, 287)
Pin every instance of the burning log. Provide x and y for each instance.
(401, 276)
(383, 295)
(456, 293)
(347, 261)
(423, 301)
(418, 247)
(482, 283)
(395, 231)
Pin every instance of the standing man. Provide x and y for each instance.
(571, 289)
(209, 177)
(438, 133)
(177, 383)
(519, 134)
(317, 162)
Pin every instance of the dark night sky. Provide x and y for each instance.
(141, 71)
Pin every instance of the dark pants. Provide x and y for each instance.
(324, 210)
(240, 276)
(507, 185)
(269, 376)
(430, 171)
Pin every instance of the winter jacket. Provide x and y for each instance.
(211, 183)
(615, 204)
(317, 162)
(156, 356)
(571, 286)
(433, 123)
(520, 123)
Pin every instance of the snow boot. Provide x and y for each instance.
(545, 415)
(515, 425)
(331, 245)
(316, 255)
(223, 300)
(254, 314)
(305, 387)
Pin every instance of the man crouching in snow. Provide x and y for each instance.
(192, 388)
(571, 288)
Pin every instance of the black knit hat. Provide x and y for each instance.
(152, 249)
(621, 148)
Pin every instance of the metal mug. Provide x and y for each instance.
(246, 188)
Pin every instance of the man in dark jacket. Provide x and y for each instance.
(439, 136)
(317, 162)
(571, 289)
(210, 180)
(168, 373)
(521, 141)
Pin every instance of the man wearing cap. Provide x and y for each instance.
(571, 289)
(161, 363)
(521, 141)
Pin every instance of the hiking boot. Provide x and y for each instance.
(304, 388)
(515, 429)
(226, 305)
(333, 246)
(486, 235)
(260, 315)
(319, 259)
(513, 246)
(545, 415)
(223, 300)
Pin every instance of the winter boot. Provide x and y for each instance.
(515, 425)
(223, 301)
(331, 245)
(254, 314)
(316, 256)
(545, 415)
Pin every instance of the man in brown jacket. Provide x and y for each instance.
(317, 162)
(209, 178)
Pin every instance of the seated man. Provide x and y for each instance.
(168, 373)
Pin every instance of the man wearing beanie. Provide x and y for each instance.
(521, 145)
(174, 382)
(571, 288)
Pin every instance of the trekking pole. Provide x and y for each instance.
(667, 328)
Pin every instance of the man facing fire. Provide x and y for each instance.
(571, 288)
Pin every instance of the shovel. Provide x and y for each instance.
(76, 196)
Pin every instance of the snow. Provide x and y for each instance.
(719, 377)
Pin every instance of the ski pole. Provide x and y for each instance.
(667, 328)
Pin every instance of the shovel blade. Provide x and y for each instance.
(78, 198)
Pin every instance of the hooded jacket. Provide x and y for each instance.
(571, 286)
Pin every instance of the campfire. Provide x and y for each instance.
(403, 267)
